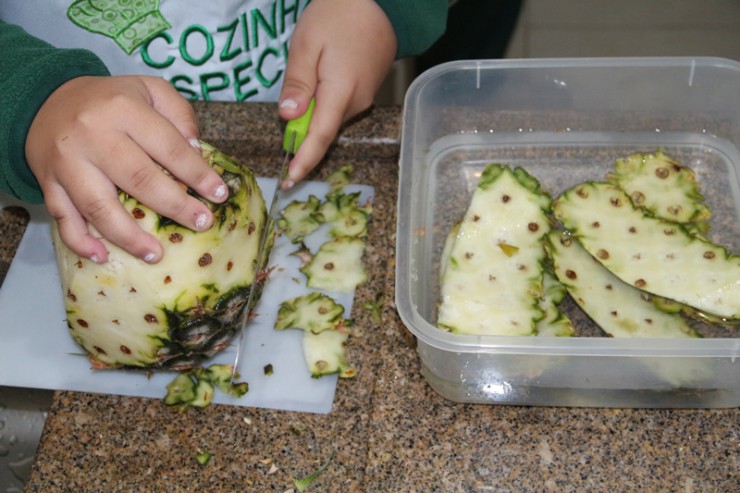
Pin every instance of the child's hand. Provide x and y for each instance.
(94, 134)
(340, 53)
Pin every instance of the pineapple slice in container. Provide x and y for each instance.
(186, 308)
(493, 266)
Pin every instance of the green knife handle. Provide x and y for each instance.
(299, 127)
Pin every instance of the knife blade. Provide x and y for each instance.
(295, 133)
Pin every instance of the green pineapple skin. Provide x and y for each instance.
(492, 268)
(173, 314)
(314, 312)
(325, 353)
(325, 332)
(300, 218)
(657, 256)
(345, 216)
(620, 309)
(336, 266)
(339, 179)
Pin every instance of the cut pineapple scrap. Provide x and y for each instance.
(314, 312)
(339, 179)
(493, 270)
(325, 332)
(662, 186)
(345, 216)
(657, 256)
(195, 387)
(325, 354)
(336, 266)
(618, 308)
(300, 218)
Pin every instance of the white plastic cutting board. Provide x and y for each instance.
(37, 351)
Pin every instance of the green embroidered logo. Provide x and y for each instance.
(130, 23)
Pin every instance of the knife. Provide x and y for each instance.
(295, 133)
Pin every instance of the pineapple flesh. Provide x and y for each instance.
(492, 270)
(173, 314)
(657, 256)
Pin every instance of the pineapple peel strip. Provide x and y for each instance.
(490, 289)
(652, 254)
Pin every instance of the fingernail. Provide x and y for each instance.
(287, 184)
(194, 143)
(95, 259)
(201, 221)
(289, 103)
(149, 257)
(221, 191)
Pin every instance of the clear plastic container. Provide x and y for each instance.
(564, 121)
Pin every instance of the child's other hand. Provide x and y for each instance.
(340, 53)
(94, 134)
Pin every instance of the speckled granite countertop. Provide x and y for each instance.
(388, 431)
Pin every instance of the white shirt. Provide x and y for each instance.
(218, 50)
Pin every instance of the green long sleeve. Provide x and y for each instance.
(417, 23)
(30, 70)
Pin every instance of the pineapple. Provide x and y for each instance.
(336, 266)
(325, 332)
(492, 270)
(618, 308)
(344, 215)
(314, 312)
(300, 218)
(662, 187)
(325, 353)
(657, 256)
(339, 179)
(173, 314)
(195, 387)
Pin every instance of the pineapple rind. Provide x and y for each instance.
(339, 179)
(492, 280)
(344, 215)
(673, 306)
(300, 218)
(325, 332)
(195, 387)
(325, 353)
(662, 186)
(652, 254)
(127, 313)
(619, 309)
(181, 390)
(336, 266)
(314, 312)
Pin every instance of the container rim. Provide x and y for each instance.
(692, 62)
